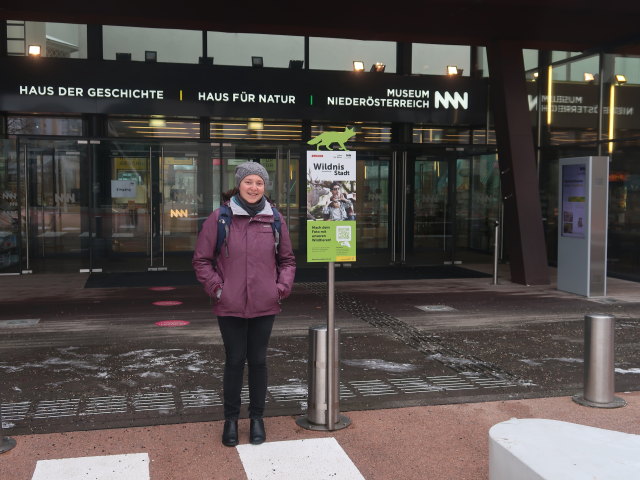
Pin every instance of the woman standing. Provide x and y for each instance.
(247, 278)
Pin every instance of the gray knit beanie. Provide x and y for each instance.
(251, 168)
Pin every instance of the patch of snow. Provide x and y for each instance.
(624, 372)
(378, 364)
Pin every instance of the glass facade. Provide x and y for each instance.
(63, 40)
(239, 48)
(166, 45)
(423, 191)
(577, 120)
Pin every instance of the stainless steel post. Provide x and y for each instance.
(323, 405)
(6, 443)
(331, 337)
(599, 373)
(496, 243)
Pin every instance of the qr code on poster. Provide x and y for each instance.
(343, 233)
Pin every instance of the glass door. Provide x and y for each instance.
(281, 162)
(148, 203)
(178, 204)
(478, 207)
(123, 206)
(56, 215)
(426, 236)
(9, 209)
(371, 200)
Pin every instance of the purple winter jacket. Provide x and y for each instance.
(253, 278)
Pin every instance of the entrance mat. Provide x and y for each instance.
(388, 273)
(140, 279)
(164, 279)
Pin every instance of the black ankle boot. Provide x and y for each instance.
(230, 433)
(257, 434)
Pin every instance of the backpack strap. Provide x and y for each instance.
(276, 226)
(224, 222)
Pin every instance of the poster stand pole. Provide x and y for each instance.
(331, 354)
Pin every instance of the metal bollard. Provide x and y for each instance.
(316, 418)
(599, 373)
(6, 443)
(496, 249)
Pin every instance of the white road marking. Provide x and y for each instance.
(311, 459)
(132, 466)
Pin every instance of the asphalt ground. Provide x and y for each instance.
(75, 358)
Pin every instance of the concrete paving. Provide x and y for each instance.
(427, 367)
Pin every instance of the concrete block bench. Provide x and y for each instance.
(538, 449)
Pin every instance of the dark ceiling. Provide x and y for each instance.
(575, 25)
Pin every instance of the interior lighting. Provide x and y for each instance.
(358, 66)
(296, 64)
(255, 124)
(35, 50)
(454, 70)
(612, 110)
(620, 79)
(150, 56)
(589, 77)
(157, 121)
(378, 67)
(257, 62)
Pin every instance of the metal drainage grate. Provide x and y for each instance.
(14, 411)
(153, 401)
(57, 408)
(413, 385)
(435, 308)
(451, 382)
(21, 322)
(345, 392)
(485, 382)
(288, 393)
(168, 401)
(200, 399)
(369, 388)
(105, 405)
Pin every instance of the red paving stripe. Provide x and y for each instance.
(167, 303)
(172, 323)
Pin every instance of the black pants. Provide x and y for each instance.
(245, 339)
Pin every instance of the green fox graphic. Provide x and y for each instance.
(327, 138)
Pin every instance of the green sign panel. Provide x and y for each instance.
(331, 202)
(331, 241)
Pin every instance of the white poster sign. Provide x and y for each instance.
(123, 189)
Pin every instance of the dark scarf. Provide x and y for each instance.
(251, 208)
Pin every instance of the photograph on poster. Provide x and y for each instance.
(327, 200)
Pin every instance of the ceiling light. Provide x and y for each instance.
(453, 70)
(256, 62)
(35, 50)
(378, 67)
(589, 77)
(358, 66)
(150, 56)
